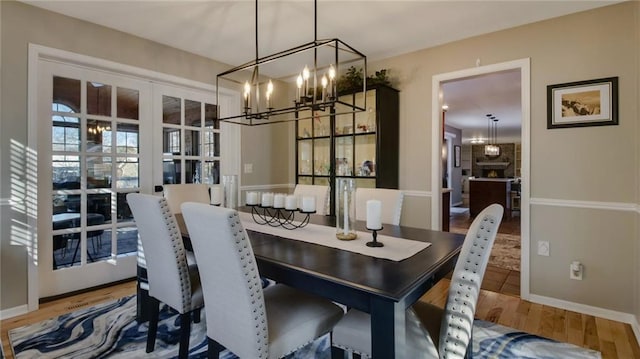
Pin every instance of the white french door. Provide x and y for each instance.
(94, 147)
(101, 130)
(187, 145)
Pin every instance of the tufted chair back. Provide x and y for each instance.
(391, 203)
(164, 253)
(177, 194)
(432, 332)
(455, 329)
(230, 279)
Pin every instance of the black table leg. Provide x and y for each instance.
(387, 329)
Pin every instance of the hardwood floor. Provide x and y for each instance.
(496, 279)
(500, 303)
(613, 339)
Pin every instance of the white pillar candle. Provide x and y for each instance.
(278, 200)
(216, 195)
(252, 198)
(267, 199)
(374, 214)
(308, 204)
(291, 203)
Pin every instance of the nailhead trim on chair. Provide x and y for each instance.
(254, 283)
(459, 309)
(181, 255)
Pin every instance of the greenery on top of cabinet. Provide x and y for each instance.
(352, 79)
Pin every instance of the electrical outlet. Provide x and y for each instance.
(543, 248)
(575, 270)
(248, 168)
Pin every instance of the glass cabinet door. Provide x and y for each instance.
(322, 124)
(344, 156)
(344, 121)
(304, 127)
(365, 155)
(345, 143)
(304, 157)
(321, 156)
(366, 121)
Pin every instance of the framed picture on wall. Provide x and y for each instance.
(456, 156)
(583, 103)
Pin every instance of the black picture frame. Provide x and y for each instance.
(583, 103)
(456, 156)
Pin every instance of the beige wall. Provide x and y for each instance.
(257, 151)
(637, 251)
(566, 164)
(22, 24)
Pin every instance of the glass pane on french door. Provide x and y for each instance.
(190, 137)
(95, 162)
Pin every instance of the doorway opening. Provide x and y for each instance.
(465, 103)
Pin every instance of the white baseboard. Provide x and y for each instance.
(14, 312)
(636, 329)
(614, 206)
(587, 309)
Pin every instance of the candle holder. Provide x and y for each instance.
(374, 242)
(279, 217)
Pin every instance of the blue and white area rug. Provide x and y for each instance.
(110, 330)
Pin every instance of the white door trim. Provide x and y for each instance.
(449, 137)
(39, 52)
(524, 65)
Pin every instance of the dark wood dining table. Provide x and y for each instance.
(381, 287)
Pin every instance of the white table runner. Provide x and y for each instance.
(395, 249)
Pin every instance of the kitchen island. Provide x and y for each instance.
(486, 191)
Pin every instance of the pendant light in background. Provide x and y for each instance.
(491, 149)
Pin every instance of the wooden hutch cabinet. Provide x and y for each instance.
(361, 145)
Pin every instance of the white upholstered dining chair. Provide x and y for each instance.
(433, 332)
(321, 193)
(391, 203)
(241, 316)
(177, 194)
(171, 279)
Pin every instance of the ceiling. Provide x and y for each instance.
(471, 99)
(225, 31)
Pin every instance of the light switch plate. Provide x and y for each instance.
(543, 248)
(248, 168)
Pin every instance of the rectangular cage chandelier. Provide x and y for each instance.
(295, 84)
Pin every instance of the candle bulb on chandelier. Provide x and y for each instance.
(324, 88)
(332, 76)
(268, 94)
(305, 77)
(299, 83)
(257, 96)
(247, 92)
